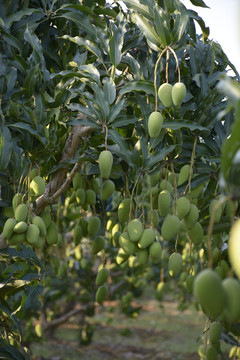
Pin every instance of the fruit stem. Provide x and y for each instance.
(177, 66)
(210, 228)
(151, 205)
(191, 168)
(155, 77)
(106, 136)
(131, 198)
(167, 64)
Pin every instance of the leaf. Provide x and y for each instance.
(205, 30)
(11, 81)
(180, 25)
(31, 130)
(162, 26)
(153, 159)
(82, 109)
(5, 147)
(136, 5)
(115, 110)
(200, 3)
(109, 90)
(115, 45)
(82, 21)
(138, 85)
(124, 120)
(11, 40)
(20, 14)
(124, 151)
(176, 125)
(89, 45)
(30, 81)
(147, 29)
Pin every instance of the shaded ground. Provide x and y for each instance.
(157, 334)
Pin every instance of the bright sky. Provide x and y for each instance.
(223, 18)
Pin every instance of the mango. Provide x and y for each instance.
(160, 290)
(38, 221)
(123, 210)
(84, 224)
(170, 227)
(107, 189)
(147, 238)
(178, 93)
(90, 197)
(98, 244)
(164, 202)
(20, 227)
(135, 229)
(166, 185)
(77, 234)
(234, 247)
(105, 161)
(142, 256)
(153, 218)
(155, 251)
(154, 178)
(155, 122)
(127, 245)
(196, 234)
(16, 239)
(8, 228)
(215, 330)
(182, 207)
(94, 226)
(197, 191)
(208, 290)
(175, 263)
(211, 353)
(16, 200)
(77, 181)
(33, 173)
(95, 183)
(189, 283)
(52, 233)
(80, 196)
(231, 287)
(115, 239)
(184, 174)
(165, 94)
(102, 276)
(101, 294)
(32, 234)
(21, 212)
(46, 217)
(121, 256)
(192, 217)
(38, 185)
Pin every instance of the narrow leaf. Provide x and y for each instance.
(138, 85)
(82, 21)
(5, 147)
(147, 29)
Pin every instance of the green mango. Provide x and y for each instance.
(147, 238)
(196, 234)
(182, 207)
(94, 225)
(102, 276)
(38, 221)
(153, 218)
(105, 161)
(164, 202)
(142, 256)
(123, 210)
(52, 233)
(121, 256)
(127, 245)
(101, 294)
(20, 227)
(98, 244)
(215, 330)
(178, 93)
(184, 174)
(107, 189)
(32, 234)
(16, 200)
(77, 181)
(170, 227)
(135, 229)
(80, 196)
(77, 234)
(38, 185)
(231, 288)
(155, 122)
(21, 212)
(175, 264)
(155, 251)
(160, 290)
(165, 95)
(90, 197)
(192, 217)
(211, 353)
(8, 228)
(16, 239)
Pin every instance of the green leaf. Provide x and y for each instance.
(11, 40)
(162, 26)
(82, 109)
(136, 5)
(82, 21)
(30, 81)
(180, 25)
(176, 125)
(123, 151)
(138, 85)
(31, 130)
(20, 14)
(11, 81)
(200, 3)
(115, 110)
(205, 30)
(147, 29)
(83, 71)
(124, 120)
(115, 45)
(5, 147)
(89, 45)
(109, 90)
(153, 159)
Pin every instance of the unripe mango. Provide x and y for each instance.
(77, 181)
(94, 226)
(38, 185)
(153, 218)
(105, 163)
(21, 212)
(155, 251)
(166, 185)
(20, 227)
(45, 215)
(192, 217)
(33, 173)
(164, 202)
(115, 239)
(211, 353)
(160, 291)
(52, 233)
(37, 220)
(184, 174)
(175, 263)
(127, 245)
(8, 228)
(147, 238)
(196, 234)
(16, 200)
(123, 210)
(154, 178)
(183, 207)
(77, 234)
(102, 276)
(121, 256)
(142, 256)
(178, 93)
(208, 290)
(107, 189)
(215, 330)
(234, 247)
(98, 244)
(135, 229)
(95, 183)
(170, 227)
(80, 196)
(90, 197)
(16, 239)
(155, 122)
(32, 234)
(165, 94)
(189, 283)
(101, 294)
(231, 287)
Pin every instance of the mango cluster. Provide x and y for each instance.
(101, 279)
(172, 95)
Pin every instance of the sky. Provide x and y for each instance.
(223, 19)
